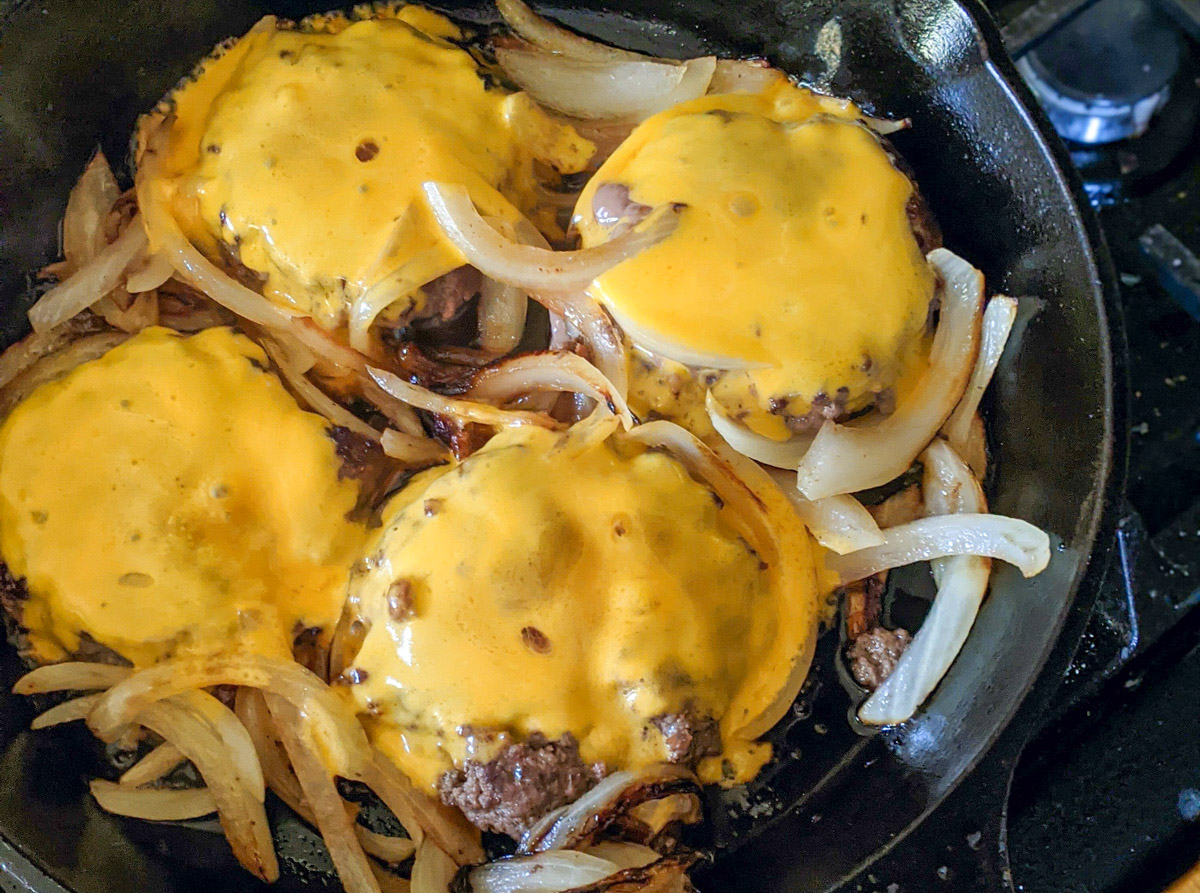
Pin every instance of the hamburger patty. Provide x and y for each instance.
(510, 792)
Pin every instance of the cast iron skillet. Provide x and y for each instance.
(75, 73)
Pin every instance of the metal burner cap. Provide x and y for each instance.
(1102, 76)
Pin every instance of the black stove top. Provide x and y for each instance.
(1106, 797)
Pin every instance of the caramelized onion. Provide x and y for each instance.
(602, 337)
(161, 761)
(91, 198)
(618, 89)
(433, 871)
(743, 76)
(421, 815)
(152, 273)
(548, 371)
(154, 805)
(70, 676)
(331, 719)
(998, 319)
(414, 273)
(581, 822)
(548, 36)
(464, 410)
(550, 872)
(993, 536)
(527, 266)
(318, 401)
(414, 451)
(950, 487)
(67, 711)
(321, 794)
(91, 282)
(760, 448)
(860, 455)
(502, 310)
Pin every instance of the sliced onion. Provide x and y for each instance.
(181, 721)
(886, 126)
(776, 453)
(582, 312)
(414, 451)
(502, 310)
(433, 871)
(998, 319)
(141, 313)
(658, 814)
(993, 536)
(70, 676)
(744, 76)
(154, 805)
(631, 855)
(401, 416)
(88, 205)
(91, 282)
(154, 271)
(386, 848)
(464, 410)
(973, 448)
(55, 366)
(900, 508)
(582, 821)
(161, 761)
(840, 523)
(320, 791)
(343, 741)
(860, 455)
(768, 522)
(414, 273)
(951, 487)
(550, 37)
(421, 815)
(619, 89)
(67, 711)
(318, 401)
(550, 872)
(548, 371)
(527, 266)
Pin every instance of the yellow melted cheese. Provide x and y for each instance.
(302, 153)
(643, 600)
(171, 497)
(793, 254)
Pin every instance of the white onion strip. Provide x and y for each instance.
(153, 805)
(412, 450)
(859, 455)
(527, 266)
(768, 521)
(840, 523)
(581, 311)
(502, 310)
(743, 76)
(433, 871)
(154, 271)
(421, 815)
(950, 487)
(91, 199)
(464, 410)
(344, 742)
(998, 319)
(760, 448)
(414, 273)
(557, 871)
(618, 89)
(239, 804)
(320, 791)
(89, 283)
(153, 766)
(318, 401)
(67, 711)
(994, 536)
(70, 676)
(543, 33)
(548, 371)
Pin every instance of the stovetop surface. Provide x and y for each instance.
(1106, 799)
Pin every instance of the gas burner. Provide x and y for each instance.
(1102, 76)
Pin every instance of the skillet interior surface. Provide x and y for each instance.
(74, 74)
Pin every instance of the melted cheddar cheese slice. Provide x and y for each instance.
(543, 587)
(171, 497)
(793, 257)
(300, 153)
